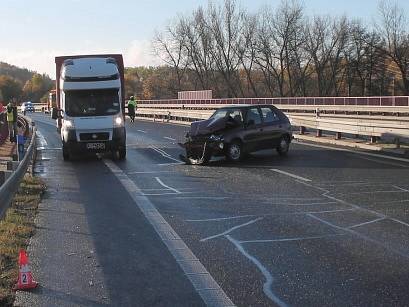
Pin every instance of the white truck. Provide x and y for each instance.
(90, 104)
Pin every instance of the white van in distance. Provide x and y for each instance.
(90, 105)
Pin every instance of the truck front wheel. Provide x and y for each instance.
(119, 154)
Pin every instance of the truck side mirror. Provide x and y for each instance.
(54, 113)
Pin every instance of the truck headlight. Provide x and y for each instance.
(69, 123)
(118, 121)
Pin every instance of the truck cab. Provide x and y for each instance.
(90, 109)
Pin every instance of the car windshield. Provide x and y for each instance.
(92, 102)
(236, 114)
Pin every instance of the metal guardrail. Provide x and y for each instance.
(10, 186)
(335, 118)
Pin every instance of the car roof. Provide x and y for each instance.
(245, 106)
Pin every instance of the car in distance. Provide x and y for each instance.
(234, 131)
(27, 107)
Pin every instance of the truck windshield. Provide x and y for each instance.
(92, 102)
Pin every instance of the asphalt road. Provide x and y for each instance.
(320, 227)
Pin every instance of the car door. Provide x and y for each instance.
(253, 129)
(271, 131)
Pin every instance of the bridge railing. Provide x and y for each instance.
(376, 117)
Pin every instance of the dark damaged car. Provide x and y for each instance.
(235, 131)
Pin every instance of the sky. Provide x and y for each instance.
(33, 32)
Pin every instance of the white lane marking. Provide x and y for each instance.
(291, 239)
(165, 193)
(362, 236)
(385, 162)
(221, 218)
(354, 152)
(165, 154)
(269, 278)
(231, 229)
(200, 278)
(289, 174)
(166, 186)
(313, 204)
(169, 138)
(142, 131)
(41, 138)
(367, 223)
(399, 188)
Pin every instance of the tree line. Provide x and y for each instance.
(23, 84)
(279, 52)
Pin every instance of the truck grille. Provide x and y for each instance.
(97, 136)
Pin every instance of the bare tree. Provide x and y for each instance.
(393, 30)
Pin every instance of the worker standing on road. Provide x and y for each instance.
(131, 108)
(12, 120)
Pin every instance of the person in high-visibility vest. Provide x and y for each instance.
(12, 120)
(131, 108)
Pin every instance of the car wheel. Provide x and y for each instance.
(65, 152)
(283, 146)
(235, 152)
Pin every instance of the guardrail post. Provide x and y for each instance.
(319, 133)
(302, 130)
(338, 135)
(397, 142)
(4, 175)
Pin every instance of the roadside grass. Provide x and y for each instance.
(16, 229)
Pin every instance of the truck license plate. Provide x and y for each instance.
(95, 146)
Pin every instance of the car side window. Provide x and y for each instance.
(269, 116)
(253, 117)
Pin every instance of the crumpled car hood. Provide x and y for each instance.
(207, 126)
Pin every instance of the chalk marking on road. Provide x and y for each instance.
(222, 218)
(166, 186)
(362, 236)
(142, 131)
(191, 266)
(42, 140)
(399, 221)
(169, 138)
(399, 188)
(267, 275)
(354, 152)
(164, 154)
(372, 192)
(231, 229)
(367, 223)
(352, 184)
(170, 164)
(165, 193)
(147, 172)
(289, 174)
(313, 204)
(271, 215)
(203, 197)
(291, 239)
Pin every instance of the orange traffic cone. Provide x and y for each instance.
(25, 278)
